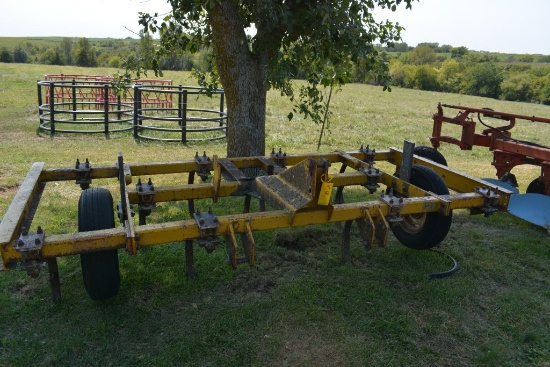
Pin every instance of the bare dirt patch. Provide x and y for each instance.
(8, 191)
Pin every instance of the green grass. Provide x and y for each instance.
(300, 305)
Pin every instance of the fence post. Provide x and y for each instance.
(182, 113)
(118, 105)
(106, 107)
(222, 94)
(39, 87)
(137, 108)
(74, 99)
(52, 108)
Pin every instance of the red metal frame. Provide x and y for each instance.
(507, 152)
(63, 93)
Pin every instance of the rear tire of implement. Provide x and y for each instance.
(430, 153)
(100, 270)
(536, 187)
(425, 230)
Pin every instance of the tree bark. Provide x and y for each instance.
(242, 75)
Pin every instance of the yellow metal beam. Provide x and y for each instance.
(459, 181)
(179, 231)
(132, 238)
(10, 226)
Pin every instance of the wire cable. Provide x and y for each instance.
(446, 273)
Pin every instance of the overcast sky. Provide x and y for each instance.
(508, 26)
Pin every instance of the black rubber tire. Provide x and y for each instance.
(426, 230)
(100, 270)
(430, 153)
(536, 187)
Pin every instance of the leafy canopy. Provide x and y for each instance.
(318, 41)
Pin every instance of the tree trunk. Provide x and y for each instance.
(242, 75)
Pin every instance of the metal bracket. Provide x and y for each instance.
(29, 245)
(369, 155)
(382, 229)
(395, 205)
(280, 157)
(208, 225)
(491, 200)
(367, 229)
(205, 165)
(233, 247)
(373, 176)
(83, 177)
(405, 169)
(146, 194)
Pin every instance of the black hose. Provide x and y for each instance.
(505, 137)
(446, 273)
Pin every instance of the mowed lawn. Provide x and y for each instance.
(300, 305)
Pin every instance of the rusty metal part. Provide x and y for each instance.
(507, 151)
(292, 189)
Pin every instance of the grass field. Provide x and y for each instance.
(300, 305)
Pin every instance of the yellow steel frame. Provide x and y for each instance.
(132, 237)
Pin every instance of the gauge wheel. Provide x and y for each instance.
(430, 153)
(424, 230)
(100, 269)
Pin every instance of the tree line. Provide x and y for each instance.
(459, 70)
(115, 53)
(428, 66)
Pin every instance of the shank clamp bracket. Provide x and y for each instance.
(146, 194)
(369, 155)
(29, 245)
(83, 171)
(208, 224)
(205, 166)
(279, 157)
(373, 176)
(395, 204)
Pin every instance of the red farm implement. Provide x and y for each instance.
(508, 152)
